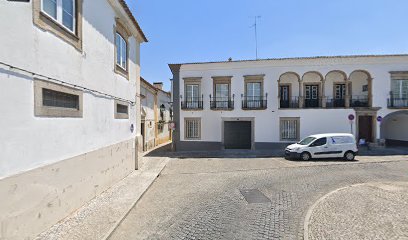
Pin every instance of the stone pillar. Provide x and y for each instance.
(301, 98)
(370, 92)
(347, 96)
(323, 98)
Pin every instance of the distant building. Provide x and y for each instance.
(156, 110)
(264, 104)
(70, 107)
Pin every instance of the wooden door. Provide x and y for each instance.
(365, 128)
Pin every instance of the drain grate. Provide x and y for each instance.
(254, 196)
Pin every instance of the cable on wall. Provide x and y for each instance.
(50, 79)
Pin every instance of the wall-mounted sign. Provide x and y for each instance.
(351, 117)
(379, 119)
(172, 125)
(132, 128)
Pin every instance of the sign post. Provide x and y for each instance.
(351, 119)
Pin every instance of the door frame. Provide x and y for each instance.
(238, 119)
(367, 112)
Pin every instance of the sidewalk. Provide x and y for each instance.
(99, 217)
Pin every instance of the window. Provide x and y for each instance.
(399, 88)
(55, 100)
(319, 142)
(62, 11)
(192, 95)
(121, 110)
(121, 51)
(193, 128)
(221, 95)
(289, 129)
(253, 90)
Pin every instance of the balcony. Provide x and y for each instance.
(336, 103)
(313, 103)
(192, 104)
(397, 102)
(221, 104)
(289, 103)
(359, 101)
(254, 102)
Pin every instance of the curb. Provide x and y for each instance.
(120, 220)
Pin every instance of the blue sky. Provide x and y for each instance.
(213, 30)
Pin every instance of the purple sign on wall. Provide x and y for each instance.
(379, 119)
(351, 117)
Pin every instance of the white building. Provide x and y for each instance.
(69, 93)
(155, 115)
(263, 104)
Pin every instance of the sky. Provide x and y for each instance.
(181, 31)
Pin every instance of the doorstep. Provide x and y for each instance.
(100, 217)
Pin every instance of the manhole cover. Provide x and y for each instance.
(254, 196)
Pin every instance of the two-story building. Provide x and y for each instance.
(155, 115)
(70, 107)
(264, 104)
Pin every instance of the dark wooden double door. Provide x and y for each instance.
(365, 128)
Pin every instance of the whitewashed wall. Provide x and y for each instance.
(28, 142)
(267, 121)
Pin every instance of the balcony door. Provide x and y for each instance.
(222, 95)
(339, 95)
(192, 95)
(312, 96)
(284, 91)
(254, 95)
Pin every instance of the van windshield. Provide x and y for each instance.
(307, 141)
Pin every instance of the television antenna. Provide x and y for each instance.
(256, 35)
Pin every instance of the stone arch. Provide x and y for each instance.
(361, 88)
(394, 128)
(308, 76)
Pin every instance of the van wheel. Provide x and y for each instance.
(349, 156)
(305, 156)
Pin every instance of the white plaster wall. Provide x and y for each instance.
(164, 98)
(396, 128)
(266, 121)
(28, 142)
(148, 105)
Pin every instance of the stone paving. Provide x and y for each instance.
(201, 198)
(377, 211)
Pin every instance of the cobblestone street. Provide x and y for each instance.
(201, 198)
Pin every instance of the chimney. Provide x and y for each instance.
(158, 85)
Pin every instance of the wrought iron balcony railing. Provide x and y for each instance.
(336, 103)
(394, 102)
(192, 104)
(254, 102)
(359, 101)
(292, 102)
(217, 103)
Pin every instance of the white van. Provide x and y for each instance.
(330, 145)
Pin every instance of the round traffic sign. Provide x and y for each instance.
(379, 119)
(351, 117)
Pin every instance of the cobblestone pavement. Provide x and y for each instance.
(201, 198)
(379, 212)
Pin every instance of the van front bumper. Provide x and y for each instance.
(289, 154)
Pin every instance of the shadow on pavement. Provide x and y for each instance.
(165, 151)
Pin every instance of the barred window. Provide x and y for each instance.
(53, 98)
(121, 110)
(289, 129)
(193, 128)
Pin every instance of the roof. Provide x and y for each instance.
(294, 58)
(331, 135)
(152, 86)
(129, 13)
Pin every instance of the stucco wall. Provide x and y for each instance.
(29, 142)
(311, 120)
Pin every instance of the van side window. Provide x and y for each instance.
(319, 142)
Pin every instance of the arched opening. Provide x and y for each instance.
(360, 89)
(289, 90)
(394, 128)
(335, 89)
(312, 83)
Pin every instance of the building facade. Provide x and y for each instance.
(155, 115)
(69, 87)
(264, 104)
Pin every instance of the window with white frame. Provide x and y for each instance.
(192, 128)
(289, 129)
(121, 51)
(62, 11)
(399, 88)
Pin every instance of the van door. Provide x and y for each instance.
(319, 148)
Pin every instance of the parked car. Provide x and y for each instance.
(329, 145)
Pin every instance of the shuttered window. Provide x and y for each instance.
(193, 128)
(289, 129)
